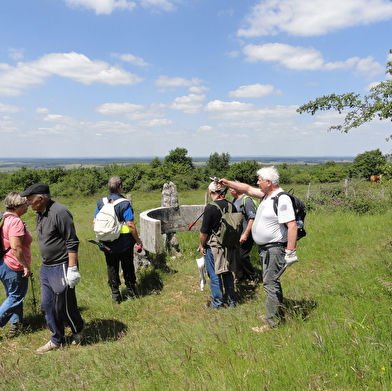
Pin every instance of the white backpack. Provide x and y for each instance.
(107, 227)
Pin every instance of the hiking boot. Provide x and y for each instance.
(261, 329)
(116, 296)
(14, 329)
(208, 306)
(131, 292)
(48, 347)
(76, 338)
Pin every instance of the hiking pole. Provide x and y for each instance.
(192, 224)
(101, 246)
(33, 291)
(281, 271)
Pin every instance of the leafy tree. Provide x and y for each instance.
(367, 164)
(23, 178)
(360, 110)
(178, 156)
(217, 165)
(245, 172)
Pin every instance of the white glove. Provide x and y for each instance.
(290, 257)
(73, 276)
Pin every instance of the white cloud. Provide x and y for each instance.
(164, 4)
(102, 6)
(108, 6)
(72, 65)
(16, 54)
(135, 60)
(255, 91)
(42, 110)
(118, 108)
(189, 104)
(9, 109)
(300, 58)
(198, 89)
(316, 17)
(165, 81)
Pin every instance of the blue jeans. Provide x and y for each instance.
(15, 290)
(217, 281)
(272, 261)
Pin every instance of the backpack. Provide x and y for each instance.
(255, 203)
(107, 227)
(230, 228)
(2, 250)
(299, 210)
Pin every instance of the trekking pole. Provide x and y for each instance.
(33, 291)
(192, 224)
(101, 246)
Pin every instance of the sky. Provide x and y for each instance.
(139, 78)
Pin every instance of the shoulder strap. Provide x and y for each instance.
(119, 201)
(276, 200)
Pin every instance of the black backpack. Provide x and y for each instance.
(230, 228)
(299, 210)
(2, 250)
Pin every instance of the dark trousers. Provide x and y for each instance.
(113, 261)
(58, 302)
(244, 265)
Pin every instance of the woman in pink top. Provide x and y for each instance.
(15, 264)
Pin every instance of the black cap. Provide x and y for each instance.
(37, 188)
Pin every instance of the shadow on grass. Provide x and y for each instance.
(298, 309)
(103, 330)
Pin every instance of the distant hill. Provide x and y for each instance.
(13, 164)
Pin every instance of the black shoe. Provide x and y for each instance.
(116, 296)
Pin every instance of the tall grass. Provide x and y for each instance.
(336, 334)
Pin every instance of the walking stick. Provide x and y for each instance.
(33, 292)
(192, 224)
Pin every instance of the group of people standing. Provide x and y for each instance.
(59, 272)
(275, 233)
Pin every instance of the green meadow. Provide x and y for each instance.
(336, 334)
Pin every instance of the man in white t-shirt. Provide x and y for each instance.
(276, 235)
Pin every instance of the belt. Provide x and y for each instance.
(274, 244)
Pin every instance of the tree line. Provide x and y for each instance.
(179, 168)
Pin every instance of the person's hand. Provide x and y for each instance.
(291, 256)
(27, 272)
(201, 250)
(73, 276)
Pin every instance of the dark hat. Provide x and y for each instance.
(37, 188)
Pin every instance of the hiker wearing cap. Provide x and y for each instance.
(15, 263)
(276, 235)
(58, 244)
(120, 250)
(220, 261)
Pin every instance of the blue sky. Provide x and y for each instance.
(106, 78)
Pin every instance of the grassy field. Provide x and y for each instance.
(337, 334)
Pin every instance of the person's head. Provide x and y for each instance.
(216, 190)
(268, 179)
(13, 202)
(235, 193)
(38, 196)
(115, 184)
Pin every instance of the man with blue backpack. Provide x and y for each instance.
(114, 227)
(275, 231)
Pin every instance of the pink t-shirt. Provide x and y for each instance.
(13, 226)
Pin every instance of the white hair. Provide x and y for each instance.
(269, 173)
